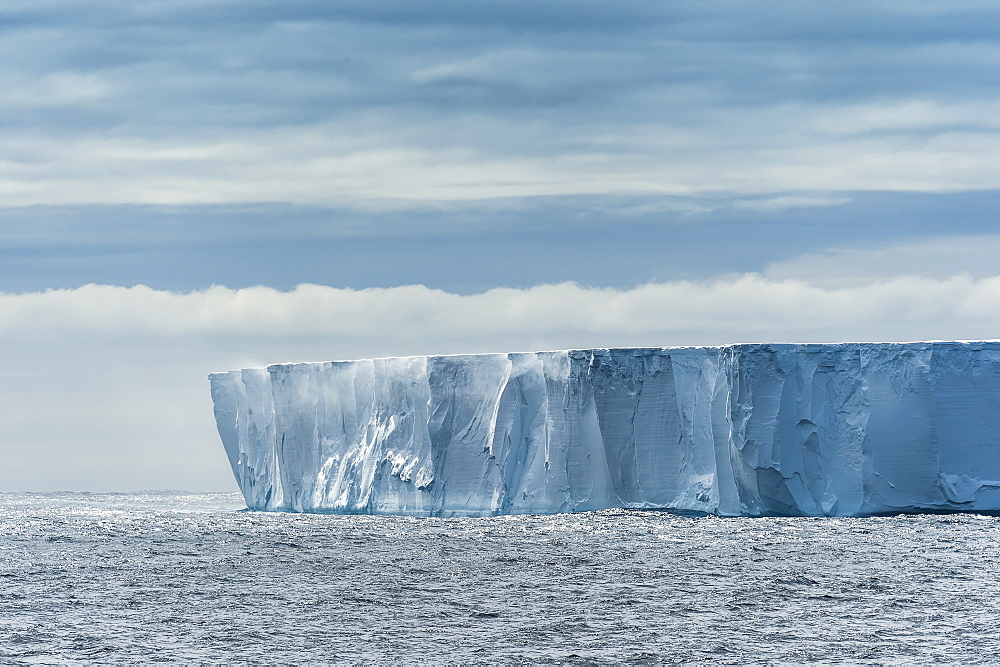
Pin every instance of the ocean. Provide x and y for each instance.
(183, 577)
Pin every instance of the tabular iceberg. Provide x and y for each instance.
(822, 430)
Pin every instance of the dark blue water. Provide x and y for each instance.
(187, 577)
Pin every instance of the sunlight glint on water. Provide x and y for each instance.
(126, 577)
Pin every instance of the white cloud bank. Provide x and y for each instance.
(105, 387)
(414, 318)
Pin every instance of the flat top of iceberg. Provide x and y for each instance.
(645, 349)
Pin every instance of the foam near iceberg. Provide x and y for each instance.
(822, 430)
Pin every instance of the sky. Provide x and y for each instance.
(193, 186)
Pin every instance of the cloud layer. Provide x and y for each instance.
(211, 102)
(746, 308)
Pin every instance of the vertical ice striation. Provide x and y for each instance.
(824, 430)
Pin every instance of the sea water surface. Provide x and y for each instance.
(189, 577)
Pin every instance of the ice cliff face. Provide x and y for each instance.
(835, 430)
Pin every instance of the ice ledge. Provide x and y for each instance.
(608, 349)
(752, 429)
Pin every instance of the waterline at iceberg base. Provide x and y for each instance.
(822, 430)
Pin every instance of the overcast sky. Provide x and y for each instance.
(191, 186)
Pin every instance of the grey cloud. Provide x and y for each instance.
(465, 246)
(511, 124)
(199, 65)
